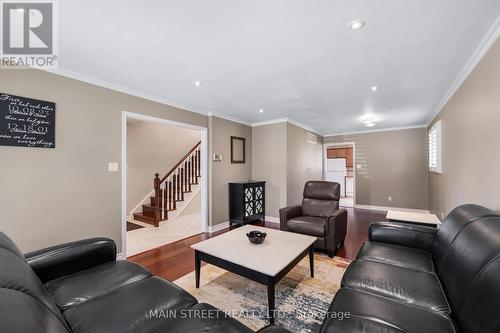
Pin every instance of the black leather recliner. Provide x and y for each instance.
(410, 278)
(80, 287)
(318, 215)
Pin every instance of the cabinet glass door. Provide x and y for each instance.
(259, 204)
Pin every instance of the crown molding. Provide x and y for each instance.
(270, 122)
(307, 128)
(483, 48)
(112, 86)
(286, 120)
(377, 130)
(226, 117)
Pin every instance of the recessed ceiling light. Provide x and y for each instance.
(356, 25)
(197, 83)
(369, 124)
(261, 111)
(374, 88)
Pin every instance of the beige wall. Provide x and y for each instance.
(49, 196)
(393, 163)
(470, 141)
(304, 162)
(194, 206)
(152, 148)
(223, 172)
(269, 152)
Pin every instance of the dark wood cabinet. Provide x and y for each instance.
(349, 158)
(346, 153)
(247, 202)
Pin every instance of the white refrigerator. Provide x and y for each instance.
(336, 171)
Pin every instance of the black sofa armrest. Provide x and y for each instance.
(273, 329)
(404, 234)
(60, 260)
(289, 213)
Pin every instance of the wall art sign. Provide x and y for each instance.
(26, 122)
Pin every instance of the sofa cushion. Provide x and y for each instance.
(398, 283)
(24, 313)
(308, 225)
(203, 318)
(17, 275)
(132, 308)
(374, 313)
(76, 288)
(397, 255)
(7, 244)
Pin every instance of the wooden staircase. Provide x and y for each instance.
(171, 188)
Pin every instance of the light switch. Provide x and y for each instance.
(113, 167)
(359, 166)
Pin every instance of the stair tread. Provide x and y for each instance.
(142, 215)
(151, 207)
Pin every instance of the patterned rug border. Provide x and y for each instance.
(301, 301)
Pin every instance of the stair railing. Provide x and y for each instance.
(171, 188)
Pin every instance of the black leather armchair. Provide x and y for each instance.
(318, 215)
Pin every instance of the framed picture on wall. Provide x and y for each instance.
(237, 149)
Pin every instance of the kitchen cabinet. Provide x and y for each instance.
(346, 153)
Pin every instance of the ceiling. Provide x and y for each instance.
(293, 59)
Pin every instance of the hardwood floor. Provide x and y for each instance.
(174, 260)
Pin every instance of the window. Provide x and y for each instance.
(435, 148)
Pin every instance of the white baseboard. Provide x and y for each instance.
(386, 208)
(217, 227)
(121, 256)
(272, 219)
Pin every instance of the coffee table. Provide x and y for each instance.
(266, 263)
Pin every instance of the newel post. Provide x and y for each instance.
(157, 199)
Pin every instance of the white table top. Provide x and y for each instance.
(279, 249)
(426, 218)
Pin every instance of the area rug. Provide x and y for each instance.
(301, 301)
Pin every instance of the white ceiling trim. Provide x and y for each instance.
(307, 128)
(105, 84)
(270, 122)
(285, 120)
(377, 130)
(483, 48)
(233, 119)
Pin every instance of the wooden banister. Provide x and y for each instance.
(177, 181)
(180, 161)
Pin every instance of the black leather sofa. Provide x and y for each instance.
(406, 278)
(318, 215)
(80, 287)
(410, 278)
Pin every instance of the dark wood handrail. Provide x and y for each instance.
(180, 162)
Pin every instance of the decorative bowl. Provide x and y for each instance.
(256, 237)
